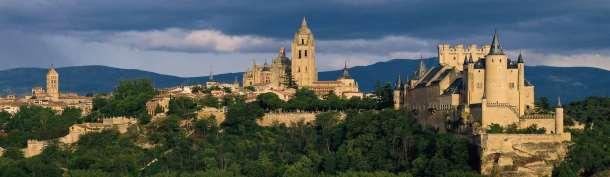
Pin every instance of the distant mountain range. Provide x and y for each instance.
(569, 83)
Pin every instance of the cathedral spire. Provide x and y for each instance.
(559, 102)
(211, 78)
(345, 71)
(304, 22)
(496, 48)
(282, 53)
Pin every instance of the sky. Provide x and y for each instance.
(196, 37)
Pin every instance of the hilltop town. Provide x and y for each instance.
(474, 113)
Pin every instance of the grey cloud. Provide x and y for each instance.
(71, 32)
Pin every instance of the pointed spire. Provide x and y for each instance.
(496, 48)
(398, 83)
(470, 60)
(211, 78)
(304, 22)
(520, 58)
(421, 70)
(559, 102)
(282, 53)
(345, 71)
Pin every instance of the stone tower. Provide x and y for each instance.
(303, 58)
(53, 83)
(279, 68)
(496, 73)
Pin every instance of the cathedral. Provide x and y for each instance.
(299, 71)
(475, 87)
(49, 97)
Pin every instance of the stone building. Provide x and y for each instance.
(51, 97)
(474, 88)
(53, 83)
(274, 76)
(300, 69)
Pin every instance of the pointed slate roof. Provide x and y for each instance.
(520, 58)
(496, 48)
(345, 72)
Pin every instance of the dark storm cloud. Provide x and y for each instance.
(541, 24)
(375, 28)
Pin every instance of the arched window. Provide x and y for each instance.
(303, 41)
(299, 53)
(305, 53)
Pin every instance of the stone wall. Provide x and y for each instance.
(526, 155)
(287, 118)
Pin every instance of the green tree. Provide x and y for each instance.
(128, 99)
(183, 107)
(209, 101)
(543, 105)
(241, 118)
(269, 101)
(495, 128)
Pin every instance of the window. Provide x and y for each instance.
(511, 85)
(303, 42)
(299, 53)
(305, 53)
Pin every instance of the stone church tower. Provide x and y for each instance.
(53, 83)
(303, 52)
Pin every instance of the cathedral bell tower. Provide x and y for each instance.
(53, 83)
(303, 58)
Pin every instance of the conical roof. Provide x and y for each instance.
(520, 58)
(496, 48)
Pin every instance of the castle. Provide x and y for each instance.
(299, 71)
(473, 89)
(51, 97)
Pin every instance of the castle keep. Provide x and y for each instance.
(300, 70)
(473, 89)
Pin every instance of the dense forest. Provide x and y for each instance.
(370, 140)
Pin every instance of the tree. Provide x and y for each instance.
(289, 80)
(495, 128)
(250, 88)
(183, 107)
(209, 101)
(543, 105)
(269, 101)
(128, 99)
(385, 94)
(241, 118)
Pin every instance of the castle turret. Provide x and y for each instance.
(304, 69)
(53, 83)
(521, 83)
(495, 73)
(559, 117)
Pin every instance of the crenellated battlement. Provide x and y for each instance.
(454, 55)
